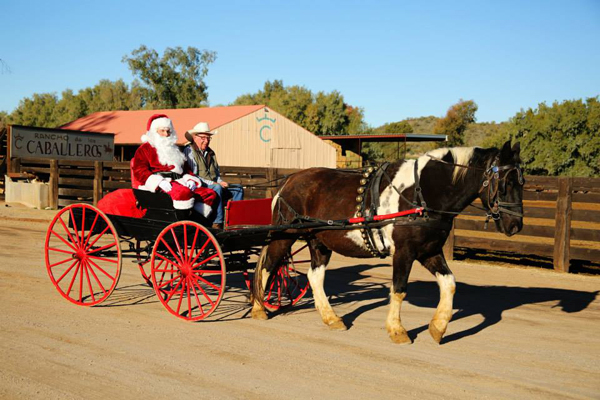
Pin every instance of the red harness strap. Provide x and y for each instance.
(418, 210)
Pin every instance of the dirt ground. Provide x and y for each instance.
(516, 333)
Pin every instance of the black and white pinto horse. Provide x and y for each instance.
(445, 181)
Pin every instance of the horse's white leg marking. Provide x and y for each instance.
(316, 277)
(439, 323)
(393, 324)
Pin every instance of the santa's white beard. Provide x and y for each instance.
(167, 150)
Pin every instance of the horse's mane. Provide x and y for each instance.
(460, 156)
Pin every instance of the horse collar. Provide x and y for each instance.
(369, 183)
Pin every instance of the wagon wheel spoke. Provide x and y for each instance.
(109, 276)
(198, 300)
(171, 251)
(201, 279)
(89, 235)
(66, 272)
(177, 245)
(205, 260)
(75, 229)
(87, 277)
(68, 232)
(200, 251)
(64, 241)
(98, 282)
(60, 262)
(108, 246)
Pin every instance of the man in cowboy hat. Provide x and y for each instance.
(203, 163)
(158, 164)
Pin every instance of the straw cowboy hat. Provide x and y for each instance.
(201, 128)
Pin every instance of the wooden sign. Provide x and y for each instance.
(60, 144)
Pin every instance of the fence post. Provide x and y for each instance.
(15, 165)
(271, 176)
(448, 248)
(53, 185)
(98, 187)
(562, 231)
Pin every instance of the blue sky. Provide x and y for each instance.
(395, 59)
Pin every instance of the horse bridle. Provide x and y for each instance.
(491, 183)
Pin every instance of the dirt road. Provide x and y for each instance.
(516, 333)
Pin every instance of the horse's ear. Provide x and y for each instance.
(506, 153)
(516, 148)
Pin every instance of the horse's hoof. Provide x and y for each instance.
(259, 314)
(435, 333)
(337, 326)
(400, 337)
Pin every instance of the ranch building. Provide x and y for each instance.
(246, 136)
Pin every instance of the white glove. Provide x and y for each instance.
(191, 185)
(165, 186)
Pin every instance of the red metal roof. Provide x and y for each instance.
(129, 126)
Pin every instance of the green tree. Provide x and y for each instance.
(47, 110)
(333, 119)
(456, 121)
(356, 121)
(321, 113)
(175, 80)
(3, 120)
(36, 111)
(395, 127)
(562, 139)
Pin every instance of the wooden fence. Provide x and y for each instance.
(562, 215)
(562, 221)
(86, 181)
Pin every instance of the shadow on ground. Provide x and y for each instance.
(348, 285)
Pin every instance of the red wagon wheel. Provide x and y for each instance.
(83, 254)
(287, 286)
(188, 270)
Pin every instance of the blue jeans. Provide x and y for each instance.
(233, 192)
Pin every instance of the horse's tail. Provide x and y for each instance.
(257, 284)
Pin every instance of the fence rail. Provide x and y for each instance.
(561, 221)
(562, 215)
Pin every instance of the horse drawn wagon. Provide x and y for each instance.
(186, 262)
(183, 260)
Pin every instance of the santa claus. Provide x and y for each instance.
(159, 165)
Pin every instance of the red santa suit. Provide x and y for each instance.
(159, 165)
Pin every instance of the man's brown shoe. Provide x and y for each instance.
(217, 226)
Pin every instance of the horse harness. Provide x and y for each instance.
(371, 181)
